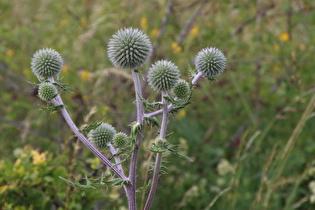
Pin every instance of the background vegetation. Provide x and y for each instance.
(251, 134)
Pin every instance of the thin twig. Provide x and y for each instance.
(217, 197)
(168, 12)
(190, 23)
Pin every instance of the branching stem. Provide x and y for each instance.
(158, 158)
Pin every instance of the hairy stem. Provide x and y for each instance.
(158, 159)
(74, 128)
(134, 156)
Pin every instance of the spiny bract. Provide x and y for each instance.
(210, 62)
(46, 63)
(181, 89)
(120, 140)
(47, 91)
(102, 135)
(129, 48)
(163, 75)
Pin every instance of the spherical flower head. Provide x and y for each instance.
(129, 48)
(47, 91)
(163, 75)
(210, 62)
(120, 140)
(46, 63)
(181, 89)
(102, 135)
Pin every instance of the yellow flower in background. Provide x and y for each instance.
(85, 75)
(285, 36)
(27, 72)
(181, 114)
(176, 48)
(10, 53)
(95, 162)
(64, 69)
(276, 68)
(155, 32)
(83, 21)
(194, 31)
(64, 22)
(144, 23)
(38, 158)
(106, 109)
(276, 47)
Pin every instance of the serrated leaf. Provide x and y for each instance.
(52, 108)
(90, 127)
(67, 181)
(63, 87)
(151, 121)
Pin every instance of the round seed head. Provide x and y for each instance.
(102, 135)
(163, 75)
(129, 48)
(46, 63)
(181, 89)
(210, 62)
(120, 140)
(47, 91)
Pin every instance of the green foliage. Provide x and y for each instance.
(256, 105)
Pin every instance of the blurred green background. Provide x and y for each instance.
(251, 133)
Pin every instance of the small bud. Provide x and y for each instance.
(210, 62)
(129, 48)
(181, 89)
(120, 140)
(46, 63)
(102, 135)
(160, 142)
(163, 75)
(47, 91)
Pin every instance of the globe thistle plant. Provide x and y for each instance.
(181, 89)
(46, 63)
(210, 62)
(120, 140)
(102, 135)
(129, 48)
(163, 75)
(47, 91)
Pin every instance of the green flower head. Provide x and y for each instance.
(163, 75)
(129, 48)
(120, 140)
(181, 89)
(210, 62)
(47, 91)
(102, 135)
(46, 63)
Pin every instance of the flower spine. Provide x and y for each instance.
(102, 135)
(120, 140)
(46, 63)
(181, 89)
(163, 75)
(210, 62)
(47, 91)
(129, 48)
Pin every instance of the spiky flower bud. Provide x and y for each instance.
(120, 140)
(102, 135)
(163, 75)
(210, 62)
(47, 91)
(181, 89)
(46, 63)
(160, 142)
(129, 48)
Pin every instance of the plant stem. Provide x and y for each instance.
(116, 158)
(134, 157)
(158, 158)
(74, 128)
